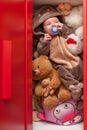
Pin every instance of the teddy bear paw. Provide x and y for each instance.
(65, 96)
(48, 90)
(50, 102)
(64, 8)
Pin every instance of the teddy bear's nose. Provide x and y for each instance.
(36, 72)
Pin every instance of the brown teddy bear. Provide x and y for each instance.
(64, 8)
(48, 85)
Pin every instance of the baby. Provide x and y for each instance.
(53, 43)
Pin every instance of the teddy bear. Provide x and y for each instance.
(48, 85)
(64, 8)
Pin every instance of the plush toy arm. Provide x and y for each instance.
(64, 94)
(55, 81)
(39, 90)
(43, 91)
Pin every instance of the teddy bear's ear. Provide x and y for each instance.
(43, 56)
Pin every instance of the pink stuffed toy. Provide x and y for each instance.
(65, 113)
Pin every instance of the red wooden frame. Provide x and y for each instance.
(25, 66)
(28, 64)
(12, 111)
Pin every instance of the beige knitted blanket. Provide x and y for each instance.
(60, 54)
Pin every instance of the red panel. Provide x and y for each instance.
(17, 111)
(12, 28)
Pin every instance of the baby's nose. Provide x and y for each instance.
(59, 25)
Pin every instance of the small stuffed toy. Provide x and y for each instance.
(64, 8)
(75, 18)
(48, 86)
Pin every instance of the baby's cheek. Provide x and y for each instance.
(46, 28)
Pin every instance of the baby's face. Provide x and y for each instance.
(52, 22)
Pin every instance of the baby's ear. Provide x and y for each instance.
(43, 56)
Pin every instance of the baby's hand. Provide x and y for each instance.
(47, 37)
